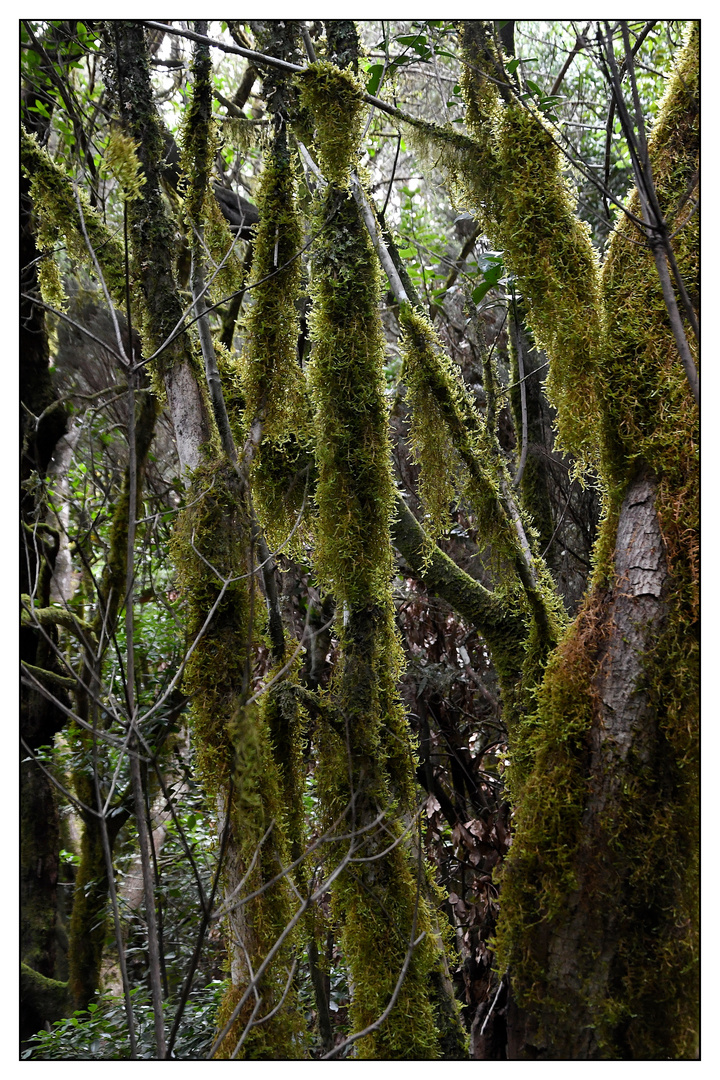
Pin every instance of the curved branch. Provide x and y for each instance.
(503, 630)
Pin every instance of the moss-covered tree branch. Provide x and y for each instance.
(504, 630)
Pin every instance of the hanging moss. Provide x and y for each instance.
(152, 233)
(549, 250)
(230, 368)
(445, 433)
(273, 379)
(273, 382)
(199, 145)
(258, 806)
(52, 193)
(445, 429)
(428, 375)
(227, 272)
(533, 488)
(510, 174)
(235, 745)
(286, 721)
(121, 162)
(334, 98)
(214, 529)
(355, 491)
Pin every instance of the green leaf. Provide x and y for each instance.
(375, 73)
(479, 292)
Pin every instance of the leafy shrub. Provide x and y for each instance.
(100, 1033)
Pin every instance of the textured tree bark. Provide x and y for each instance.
(582, 952)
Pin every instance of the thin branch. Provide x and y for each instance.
(523, 395)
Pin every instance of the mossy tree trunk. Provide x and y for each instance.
(43, 422)
(366, 754)
(598, 927)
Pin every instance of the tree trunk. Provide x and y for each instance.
(589, 949)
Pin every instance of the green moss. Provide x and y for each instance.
(42, 997)
(238, 745)
(435, 395)
(265, 799)
(258, 806)
(410, 1033)
(88, 920)
(355, 491)
(286, 721)
(152, 232)
(549, 250)
(510, 174)
(533, 488)
(334, 97)
(447, 437)
(227, 270)
(209, 550)
(273, 382)
(121, 162)
(198, 138)
(549, 755)
(200, 142)
(52, 193)
(366, 756)
(650, 405)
